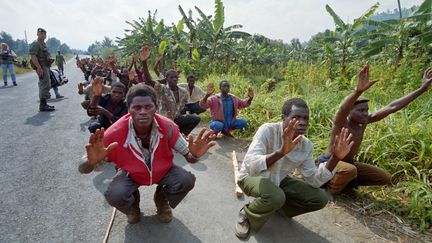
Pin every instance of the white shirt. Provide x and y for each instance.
(267, 140)
(197, 93)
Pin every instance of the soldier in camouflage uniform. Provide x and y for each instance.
(41, 61)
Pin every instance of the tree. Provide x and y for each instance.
(346, 37)
(53, 44)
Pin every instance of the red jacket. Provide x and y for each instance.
(216, 108)
(128, 156)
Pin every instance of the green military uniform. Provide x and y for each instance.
(59, 62)
(40, 49)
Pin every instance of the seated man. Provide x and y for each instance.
(224, 107)
(195, 94)
(141, 144)
(172, 97)
(266, 173)
(88, 92)
(354, 115)
(110, 107)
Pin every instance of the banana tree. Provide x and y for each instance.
(210, 30)
(347, 35)
(399, 34)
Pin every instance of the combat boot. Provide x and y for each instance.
(43, 106)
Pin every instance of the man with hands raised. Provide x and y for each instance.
(354, 115)
(141, 144)
(224, 108)
(266, 173)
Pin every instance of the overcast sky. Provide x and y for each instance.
(79, 23)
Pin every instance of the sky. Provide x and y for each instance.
(80, 23)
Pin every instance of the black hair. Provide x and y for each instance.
(170, 71)
(190, 76)
(141, 90)
(359, 101)
(118, 85)
(223, 81)
(289, 103)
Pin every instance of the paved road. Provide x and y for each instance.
(45, 199)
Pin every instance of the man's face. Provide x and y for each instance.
(360, 113)
(191, 82)
(225, 88)
(301, 114)
(172, 78)
(117, 95)
(4, 47)
(142, 110)
(41, 35)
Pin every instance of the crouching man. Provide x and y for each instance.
(141, 144)
(266, 173)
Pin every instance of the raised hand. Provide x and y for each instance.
(96, 150)
(343, 144)
(145, 53)
(80, 88)
(250, 93)
(363, 82)
(134, 58)
(97, 86)
(210, 89)
(131, 75)
(427, 78)
(202, 144)
(288, 141)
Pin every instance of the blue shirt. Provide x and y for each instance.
(228, 111)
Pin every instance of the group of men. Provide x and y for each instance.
(141, 121)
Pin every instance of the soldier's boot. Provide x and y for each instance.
(43, 106)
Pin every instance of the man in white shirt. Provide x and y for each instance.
(267, 170)
(195, 95)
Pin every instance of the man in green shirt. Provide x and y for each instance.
(41, 62)
(60, 61)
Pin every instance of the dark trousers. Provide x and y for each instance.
(123, 194)
(187, 123)
(193, 108)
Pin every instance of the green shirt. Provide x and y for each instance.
(40, 49)
(59, 60)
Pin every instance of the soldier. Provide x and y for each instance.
(41, 61)
(60, 61)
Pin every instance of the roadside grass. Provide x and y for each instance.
(400, 144)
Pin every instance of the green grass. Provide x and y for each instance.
(400, 144)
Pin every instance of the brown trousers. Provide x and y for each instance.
(366, 175)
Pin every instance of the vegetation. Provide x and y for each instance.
(322, 71)
(20, 47)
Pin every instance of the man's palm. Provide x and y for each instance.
(202, 144)
(96, 150)
(343, 144)
(97, 86)
(145, 53)
(363, 82)
(210, 89)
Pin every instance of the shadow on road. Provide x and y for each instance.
(149, 229)
(38, 119)
(282, 229)
(6, 87)
(102, 180)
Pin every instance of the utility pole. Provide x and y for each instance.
(27, 46)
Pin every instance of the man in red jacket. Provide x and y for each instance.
(141, 144)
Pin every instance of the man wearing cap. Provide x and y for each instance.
(41, 62)
(354, 114)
